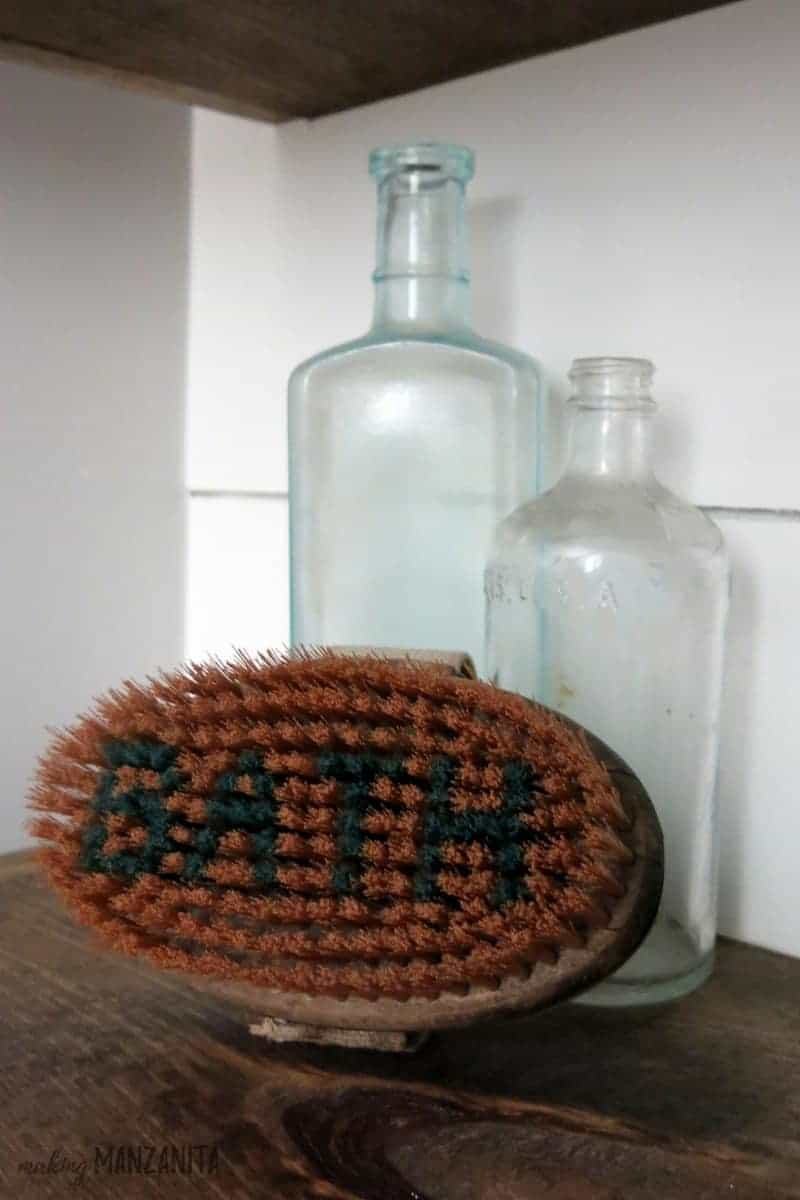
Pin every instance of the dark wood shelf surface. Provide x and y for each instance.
(700, 1099)
(277, 60)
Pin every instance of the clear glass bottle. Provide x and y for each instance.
(607, 599)
(408, 445)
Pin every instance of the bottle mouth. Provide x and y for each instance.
(428, 162)
(608, 378)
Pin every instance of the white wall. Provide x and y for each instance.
(94, 196)
(636, 196)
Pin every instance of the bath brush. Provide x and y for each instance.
(350, 842)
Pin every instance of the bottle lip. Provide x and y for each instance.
(609, 364)
(428, 158)
(607, 379)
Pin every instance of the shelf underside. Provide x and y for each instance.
(277, 60)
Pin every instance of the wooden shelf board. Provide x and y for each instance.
(692, 1102)
(276, 61)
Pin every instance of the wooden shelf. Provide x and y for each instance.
(694, 1101)
(277, 60)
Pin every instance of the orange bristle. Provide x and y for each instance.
(332, 826)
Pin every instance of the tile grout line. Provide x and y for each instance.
(714, 510)
(758, 514)
(234, 494)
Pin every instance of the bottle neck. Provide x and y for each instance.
(421, 276)
(614, 444)
(611, 436)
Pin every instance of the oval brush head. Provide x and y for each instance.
(367, 843)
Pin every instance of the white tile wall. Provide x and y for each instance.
(760, 748)
(244, 276)
(640, 195)
(238, 588)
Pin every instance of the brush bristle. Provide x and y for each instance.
(332, 826)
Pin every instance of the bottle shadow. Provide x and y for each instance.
(494, 226)
(736, 725)
(656, 1067)
(496, 234)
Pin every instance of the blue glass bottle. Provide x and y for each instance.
(408, 445)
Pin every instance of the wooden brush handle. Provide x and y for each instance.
(458, 661)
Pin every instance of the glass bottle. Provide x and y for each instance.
(607, 599)
(408, 445)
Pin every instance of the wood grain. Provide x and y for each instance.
(699, 1100)
(275, 60)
